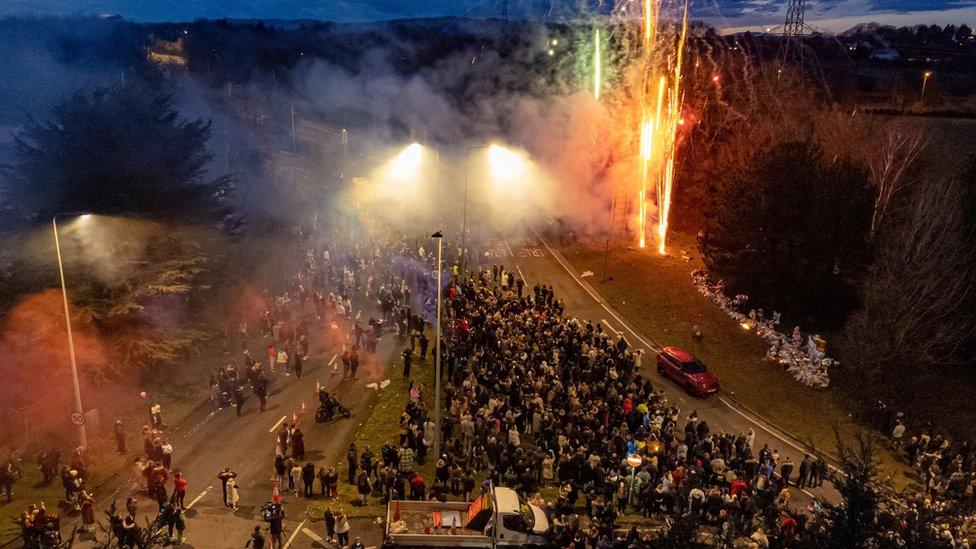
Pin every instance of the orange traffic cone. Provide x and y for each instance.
(303, 407)
(318, 386)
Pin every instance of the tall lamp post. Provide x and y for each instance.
(437, 350)
(464, 214)
(79, 410)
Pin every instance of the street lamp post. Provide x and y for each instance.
(437, 351)
(464, 214)
(71, 342)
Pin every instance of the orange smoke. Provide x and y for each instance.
(34, 367)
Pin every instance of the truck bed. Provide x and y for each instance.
(417, 516)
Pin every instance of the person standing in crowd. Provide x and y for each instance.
(330, 524)
(354, 361)
(308, 479)
(119, 433)
(424, 343)
(352, 459)
(233, 496)
(179, 488)
(342, 528)
(261, 390)
(364, 486)
(407, 361)
(225, 476)
(256, 541)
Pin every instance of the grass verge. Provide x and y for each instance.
(178, 397)
(381, 426)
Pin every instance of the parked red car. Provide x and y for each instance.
(687, 371)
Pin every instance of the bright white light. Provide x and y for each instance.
(407, 161)
(507, 166)
(85, 216)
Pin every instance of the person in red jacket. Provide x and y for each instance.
(179, 488)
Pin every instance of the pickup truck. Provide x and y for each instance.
(497, 518)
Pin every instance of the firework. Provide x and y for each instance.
(658, 98)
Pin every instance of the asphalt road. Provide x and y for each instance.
(538, 262)
(211, 439)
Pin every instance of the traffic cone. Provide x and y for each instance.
(303, 407)
(275, 494)
(318, 387)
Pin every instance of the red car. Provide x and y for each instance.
(687, 371)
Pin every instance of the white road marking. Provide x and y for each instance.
(198, 498)
(333, 359)
(522, 276)
(315, 537)
(131, 480)
(291, 538)
(610, 327)
(277, 423)
(510, 252)
(206, 419)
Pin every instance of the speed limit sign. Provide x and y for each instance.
(77, 418)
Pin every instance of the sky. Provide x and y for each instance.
(825, 15)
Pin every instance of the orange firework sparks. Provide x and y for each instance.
(660, 61)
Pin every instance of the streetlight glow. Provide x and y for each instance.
(506, 164)
(408, 160)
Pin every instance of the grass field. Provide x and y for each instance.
(656, 295)
(177, 398)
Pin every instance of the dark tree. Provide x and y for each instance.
(854, 521)
(790, 230)
(117, 151)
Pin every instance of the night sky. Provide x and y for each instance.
(832, 15)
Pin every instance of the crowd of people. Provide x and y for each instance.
(534, 399)
(537, 399)
(154, 468)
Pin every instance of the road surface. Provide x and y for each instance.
(537, 261)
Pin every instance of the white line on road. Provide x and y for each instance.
(291, 538)
(333, 359)
(129, 482)
(610, 327)
(277, 423)
(315, 537)
(198, 498)
(593, 294)
(510, 252)
(522, 276)
(206, 419)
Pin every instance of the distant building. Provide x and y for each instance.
(885, 54)
(164, 52)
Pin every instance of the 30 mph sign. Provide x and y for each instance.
(77, 418)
